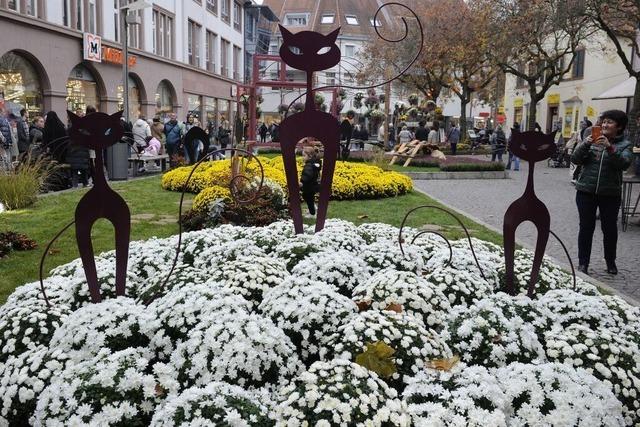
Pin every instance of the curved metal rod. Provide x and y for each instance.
(454, 217)
(443, 238)
(375, 27)
(44, 256)
(573, 271)
(184, 188)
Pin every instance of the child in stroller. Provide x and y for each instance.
(561, 157)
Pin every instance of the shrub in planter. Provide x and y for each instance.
(114, 324)
(249, 277)
(339, 392)
(557, 394)
(111, 389)
(22, 379)
(461, 396)
(338, 268)
(413, 345)
(498, 330)
(307, 313)
(245, 350)
(407, 291)
(607, 356)
(217, 404)
(462, 287)
(471, 167)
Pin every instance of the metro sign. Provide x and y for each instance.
(92, 47)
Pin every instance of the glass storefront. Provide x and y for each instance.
(135, 104)
(210, 112)
(82, 89)
(164, 99)
(194, 106)
(223, 109)
(19, 85)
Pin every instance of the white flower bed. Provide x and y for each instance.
(227, 339)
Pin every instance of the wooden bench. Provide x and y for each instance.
(136, 161)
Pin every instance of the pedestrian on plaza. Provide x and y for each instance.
(405, 135)
(77, 156)
(422, 133)
(35, 131)
(23, 131)
(6, 138)
(585, 128)
(309, 180)
(141, 130)
(13, 122)
(599, 186)
(434, 134)
(498, 142)
(263, 130)
(512, 157)
(224, 133)
(157, 131)
(453, 137)
(52, 136)
(196, 145)
(173, 132)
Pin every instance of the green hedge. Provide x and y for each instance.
(472, 167)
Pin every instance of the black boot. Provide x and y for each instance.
(611, 268)
(584, 269)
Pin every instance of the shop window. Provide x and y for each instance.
(223, 110)
(135, 100)
(82, 89)
(164, 99)
(194, 106)
(19, 85)
(210, 113)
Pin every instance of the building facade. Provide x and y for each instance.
(185, 56)
(596, 69)
(355, 20)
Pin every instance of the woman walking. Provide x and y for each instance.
(603, 159)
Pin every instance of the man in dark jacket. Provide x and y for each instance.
(599, 186)
(23, 131)
(6, 140)
(422, 133)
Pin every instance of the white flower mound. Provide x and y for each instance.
(307, 313)
(280, 301)
(216, 404)
(114, 324)
(557, 394)
(464, 396)
(338, 268)
(413, 344)
(111, 389)
(498, 330)
(249, 277)
(340, 393)
(415, 295)
(245, 350)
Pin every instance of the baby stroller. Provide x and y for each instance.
(561, 157)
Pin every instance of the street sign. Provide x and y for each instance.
(92, 45)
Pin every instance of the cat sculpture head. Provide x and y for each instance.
(309, 51)
(96, 130)
(532, 146)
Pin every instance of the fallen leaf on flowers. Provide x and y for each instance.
(443, 364)
(363, 305)
(378, 358)
(363, 216)
(394, 307)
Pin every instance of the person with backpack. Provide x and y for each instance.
(512, 157)
(174, 131)
(453, 137)
(498, 144)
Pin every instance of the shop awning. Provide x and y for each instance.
(621, 90)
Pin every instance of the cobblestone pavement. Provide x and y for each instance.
(487, 201)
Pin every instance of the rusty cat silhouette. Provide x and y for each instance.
(98, 131)
(310, 52)
(532, 147)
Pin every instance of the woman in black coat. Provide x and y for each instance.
(52, 137)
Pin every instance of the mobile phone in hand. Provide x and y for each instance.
(596, 132)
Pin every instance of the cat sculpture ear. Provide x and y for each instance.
(286, 34)
(117, 115)
(333, 36)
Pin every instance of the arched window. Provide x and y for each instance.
(135, 99)
(19, 85)
(82, 89)
(164, 99)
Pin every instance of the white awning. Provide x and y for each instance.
(621, 90)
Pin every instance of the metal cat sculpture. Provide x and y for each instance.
(533, 147)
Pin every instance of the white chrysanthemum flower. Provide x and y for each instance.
(217, 403)
(326, 393)
(415, 295)
(462, 287)
(557, 394)
(384, 254)
(464, 395)
(338, 268)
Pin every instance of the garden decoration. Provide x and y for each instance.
(533, 147)
(302, 52)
